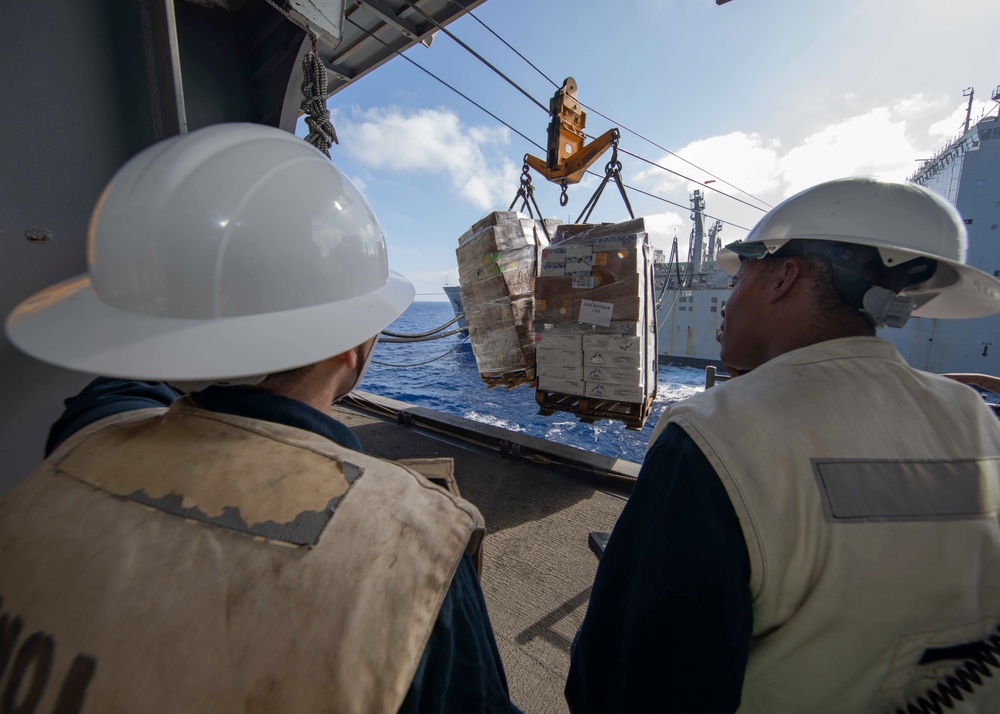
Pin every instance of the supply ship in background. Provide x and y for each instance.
(966, 172)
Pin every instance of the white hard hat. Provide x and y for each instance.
(235, 250)
(902, 221)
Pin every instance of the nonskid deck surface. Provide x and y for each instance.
(538, 567)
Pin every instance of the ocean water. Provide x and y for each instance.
(452, 385)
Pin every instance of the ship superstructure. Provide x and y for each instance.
(967, 173)
(690, 294)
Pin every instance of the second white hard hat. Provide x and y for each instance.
(902, 221)
(234, 250)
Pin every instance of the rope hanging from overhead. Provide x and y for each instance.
(322, 135)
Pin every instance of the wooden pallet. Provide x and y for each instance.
(508, 380)
(589, 410)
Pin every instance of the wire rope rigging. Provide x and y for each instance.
(616, 123)
(419, 364)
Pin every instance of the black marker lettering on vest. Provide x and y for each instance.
(10, 630)
(35, 654)
(74, 688)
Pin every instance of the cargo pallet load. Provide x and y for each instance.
(497, 263)
(595, 324)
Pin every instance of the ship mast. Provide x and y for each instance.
(697, 208)
(968, 112)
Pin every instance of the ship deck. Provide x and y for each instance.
(539, 508)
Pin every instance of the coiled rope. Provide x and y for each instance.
(321, 134)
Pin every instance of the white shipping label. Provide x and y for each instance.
(596, 313)
(584, 282)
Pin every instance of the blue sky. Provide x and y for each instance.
(768, 95)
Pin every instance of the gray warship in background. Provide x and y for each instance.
(966, 172)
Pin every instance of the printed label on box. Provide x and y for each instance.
(616, 242)
(557, 340)
(583, 282)
(563, 386)
(614, 360)
(612, 343)
(596, 313)
(631, 377)
(618, 392)
(560, 371)
(558, 356)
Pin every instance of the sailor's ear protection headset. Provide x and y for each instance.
(862, 279)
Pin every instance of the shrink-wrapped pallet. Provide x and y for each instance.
(595, 316)
(497, 264)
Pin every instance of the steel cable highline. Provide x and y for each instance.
(525, 93)
(478, 56)
(523, 136)
(424, 334)
(434, 76)
(620, 125)
(403, 340)
(688, 178)
(418, 364)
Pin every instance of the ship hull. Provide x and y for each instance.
(687, 322)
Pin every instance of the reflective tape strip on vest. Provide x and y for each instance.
(185, 560)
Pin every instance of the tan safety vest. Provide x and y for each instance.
(868, 494)
(184, 560)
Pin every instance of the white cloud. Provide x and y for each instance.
(750, 162)
(885, 141)
(662, 227)
(435, 141)
(948, 128)
(871, 144)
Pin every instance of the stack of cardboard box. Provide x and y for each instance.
(497, 264)
(595, 325)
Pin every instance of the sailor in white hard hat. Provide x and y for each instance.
(232, 549)
(820, 533)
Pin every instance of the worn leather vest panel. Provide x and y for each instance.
(830, 455)
(185, 560)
